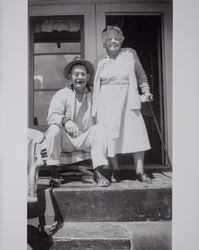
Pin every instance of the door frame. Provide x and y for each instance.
(165, 11)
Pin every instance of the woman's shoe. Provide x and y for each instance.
(142, 177)
(99, 178)
(115, 176)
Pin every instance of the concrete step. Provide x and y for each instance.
(128, 200)
(113, 236)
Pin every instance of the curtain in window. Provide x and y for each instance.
(58, 25)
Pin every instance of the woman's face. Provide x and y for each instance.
(113, 42)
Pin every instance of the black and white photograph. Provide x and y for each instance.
(97, 113)
(100, 115)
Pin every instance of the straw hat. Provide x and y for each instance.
(77, 61)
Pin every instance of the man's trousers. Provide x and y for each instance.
(92, 140)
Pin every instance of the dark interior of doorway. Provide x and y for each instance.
(143, 33)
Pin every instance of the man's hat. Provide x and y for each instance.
(77, 61)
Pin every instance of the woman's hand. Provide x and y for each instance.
(147, 97)
(71, 128)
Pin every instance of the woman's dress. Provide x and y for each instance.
(126, 131)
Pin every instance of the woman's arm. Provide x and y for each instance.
(141, 75)
(96, 84)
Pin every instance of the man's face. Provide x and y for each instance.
(79, 77)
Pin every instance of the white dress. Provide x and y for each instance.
(126, 131)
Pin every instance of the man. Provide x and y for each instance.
(71, 126)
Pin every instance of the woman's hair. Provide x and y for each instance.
(113, 29)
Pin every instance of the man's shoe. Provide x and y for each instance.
(115, 176)
(99, 177)
(54, 183)
(142, 177)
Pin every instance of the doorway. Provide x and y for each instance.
(143, 33)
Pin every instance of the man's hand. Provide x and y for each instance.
(147, 97)
(71, 128)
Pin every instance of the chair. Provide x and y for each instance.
(36, 161)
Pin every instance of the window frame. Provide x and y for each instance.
(45, 10)
(32, 55)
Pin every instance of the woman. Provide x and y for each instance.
(117, 103)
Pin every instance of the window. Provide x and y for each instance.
(56, 41)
